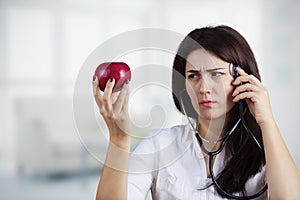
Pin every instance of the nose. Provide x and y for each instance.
(204, 87)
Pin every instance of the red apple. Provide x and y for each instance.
(120, 71)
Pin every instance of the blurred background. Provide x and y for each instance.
(43, 44)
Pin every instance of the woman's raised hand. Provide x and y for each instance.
(113, 106)
(248, 87)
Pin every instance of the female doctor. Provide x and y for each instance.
(255, 162)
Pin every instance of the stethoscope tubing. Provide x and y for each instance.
(214, 153)
(226, 137)
(227, 195)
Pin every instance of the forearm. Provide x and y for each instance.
(282, 174)
(114, 179)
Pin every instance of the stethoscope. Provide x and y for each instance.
(225, 138)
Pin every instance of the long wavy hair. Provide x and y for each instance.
(245, 158)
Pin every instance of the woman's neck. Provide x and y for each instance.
(212, 130)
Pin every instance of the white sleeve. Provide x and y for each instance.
(138, 186)
(141, 168)
(153, 153)
(257, 183)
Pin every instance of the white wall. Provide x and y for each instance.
(44, 44)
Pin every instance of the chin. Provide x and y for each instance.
(212, 116)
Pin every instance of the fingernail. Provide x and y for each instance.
(111, 79)
(94, 77)
(127, 81)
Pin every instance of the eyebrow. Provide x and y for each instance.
(209, 70)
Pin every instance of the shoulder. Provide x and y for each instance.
(160, 148)
(171, 132)
(162, 137)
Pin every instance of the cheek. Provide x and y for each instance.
(191, 90)
(228, 97)
(229, 91)
(226, 92)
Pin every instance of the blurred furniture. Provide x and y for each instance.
(48, 141)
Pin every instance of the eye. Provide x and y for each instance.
(216, 73)
(193, 76)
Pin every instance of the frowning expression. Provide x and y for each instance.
(209, 84)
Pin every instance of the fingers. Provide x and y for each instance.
(110, 102)
(245, 95)
(108, 89)
(123, 98)
(107, 101)
(126, 101)
(245, 78)
(96, 90)
(247, 87)
(244, 91)
(114, 97)
(103, 101)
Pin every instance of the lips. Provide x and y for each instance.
(207, 103)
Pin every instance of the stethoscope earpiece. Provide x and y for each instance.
(233, 70)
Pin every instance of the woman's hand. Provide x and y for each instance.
(282, 173)
(114, 109)
(248, 87)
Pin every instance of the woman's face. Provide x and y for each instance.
(209, 84)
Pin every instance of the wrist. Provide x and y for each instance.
(267, 123)
(122, 142)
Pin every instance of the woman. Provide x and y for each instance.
(208, 93)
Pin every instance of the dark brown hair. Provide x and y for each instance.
(246, 159)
